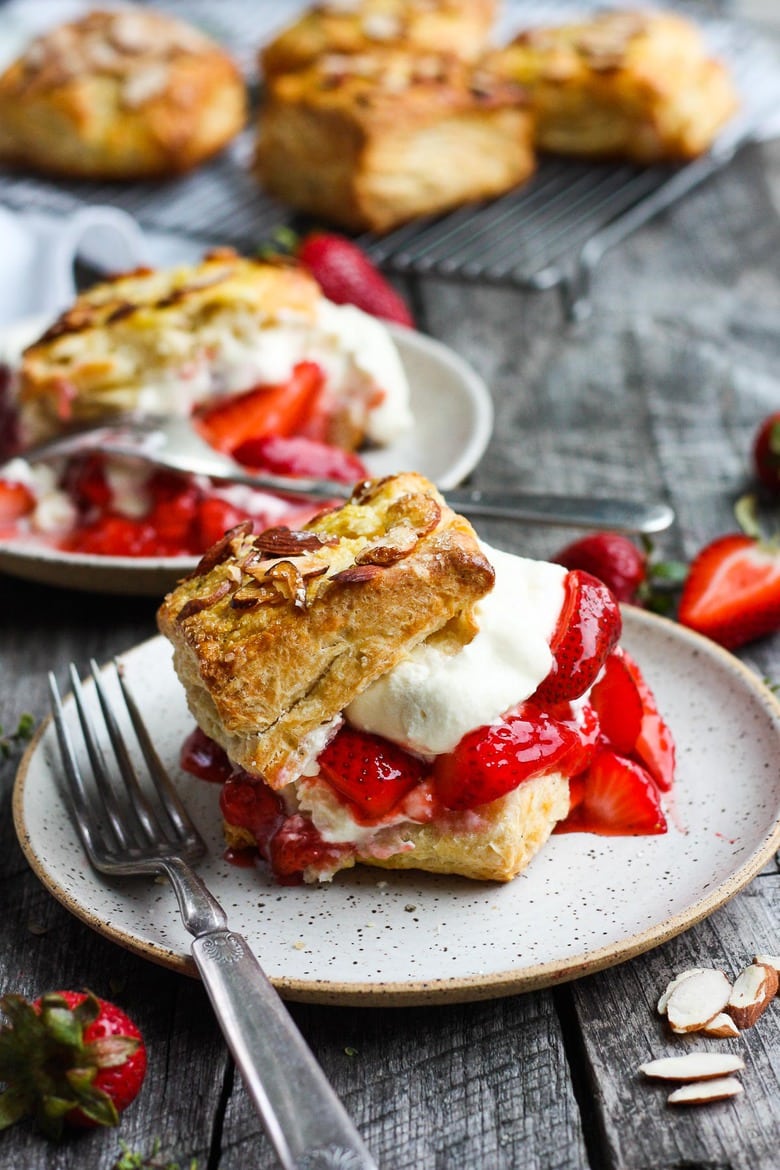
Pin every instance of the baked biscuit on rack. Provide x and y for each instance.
(120, 94)
(632, 84)
(460, 27)
(372, 140)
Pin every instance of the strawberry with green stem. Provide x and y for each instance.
(68, 1057)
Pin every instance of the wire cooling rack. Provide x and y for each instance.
(550, 232)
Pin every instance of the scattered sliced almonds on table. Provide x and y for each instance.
(703, 1000)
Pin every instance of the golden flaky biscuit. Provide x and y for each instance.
(275, 639)
(460, 27)
(121, 94)
(160, 342)
(372, 140)
(633, 84)
(493, 843)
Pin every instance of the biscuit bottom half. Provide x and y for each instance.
(494, 842)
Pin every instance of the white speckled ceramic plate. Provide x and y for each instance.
(585, 902)
(443, 387)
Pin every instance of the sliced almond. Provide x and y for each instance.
(701, 1092)
(772, 961)
(697, 1000)
(694, 1066)
(678, 979)
(754, 989)
(722, 1027)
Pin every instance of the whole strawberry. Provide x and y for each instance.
(347, 277)
(68, 1057)
(611, 557)
(766, 453)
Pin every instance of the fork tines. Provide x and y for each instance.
(120, 819)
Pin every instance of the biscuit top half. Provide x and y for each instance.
(275, 634)
(144, 327)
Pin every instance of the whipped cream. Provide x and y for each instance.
(355, 351)
(431, 699)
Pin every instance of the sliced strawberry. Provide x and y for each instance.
(16, 500)
(248, 803)
(370, 772)
(298, 455)
(616, 698)
(588, 627)
(202, 757)
(732, 593)
(347, 277)
(491, 761)
(214, 518)
(86, 484)
(654, 746)
(298, 846)
(619, 800)
(611, 557)
(266, 410)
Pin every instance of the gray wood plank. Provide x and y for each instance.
(479, 1085)
(622, 1029)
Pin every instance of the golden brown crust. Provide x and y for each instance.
(493, 843)
(122, 335)
(639, 85)
(272, 648)
(119, 95)
(370, 141)
(460, 27)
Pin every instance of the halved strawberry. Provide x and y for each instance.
(732, 593)
(589, 625)
(616, 698)
(655, 743)
(266, 410)
(370, 772)
(16, 500)
(618, 799)
(202, 757)
(298, 455)
(491, 761)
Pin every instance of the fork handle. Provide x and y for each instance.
(304, 1119)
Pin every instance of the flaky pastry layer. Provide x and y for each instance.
(276, 634)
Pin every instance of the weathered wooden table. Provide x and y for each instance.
(659, 392)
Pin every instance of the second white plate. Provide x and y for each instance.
(453, 420)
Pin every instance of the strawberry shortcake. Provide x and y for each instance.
(379, 687)
(267, 368)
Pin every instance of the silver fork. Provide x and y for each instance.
(127, 828)
(174, 443)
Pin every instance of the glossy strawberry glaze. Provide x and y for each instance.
(612, 744)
